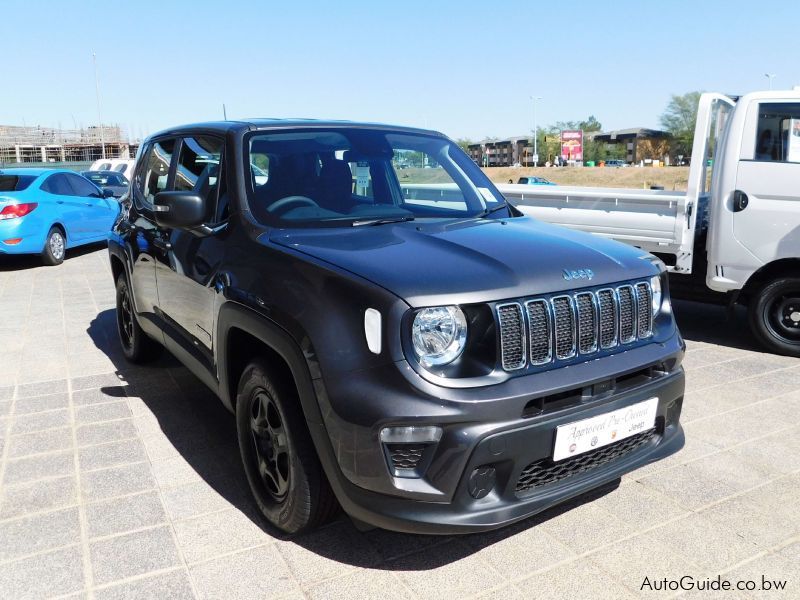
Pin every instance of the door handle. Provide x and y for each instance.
(740, 201)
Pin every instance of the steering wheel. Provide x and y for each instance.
(290, 201)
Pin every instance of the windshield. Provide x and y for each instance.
(354, 176)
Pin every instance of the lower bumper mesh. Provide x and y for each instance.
(545, 471)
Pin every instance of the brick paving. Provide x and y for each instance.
(124, 482)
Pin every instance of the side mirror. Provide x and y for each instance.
(108, 192)
(182, 210)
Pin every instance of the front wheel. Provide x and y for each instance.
(280, 461)
(774, 316)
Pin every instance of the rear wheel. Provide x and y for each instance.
(137, 346)
(774, 315)
(281, 464)
(55, 247)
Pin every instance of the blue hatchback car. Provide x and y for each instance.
(47, 211)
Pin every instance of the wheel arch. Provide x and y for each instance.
(243, 334)
(778, 268)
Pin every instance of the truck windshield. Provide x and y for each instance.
(349, 176)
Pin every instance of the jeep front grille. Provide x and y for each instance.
(564, 326)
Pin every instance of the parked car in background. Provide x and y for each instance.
(419, 352)
(615, 163)
(534, 181)
(120, 165)
(47, 211)
(113, 180)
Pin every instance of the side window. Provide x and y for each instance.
(156, 170)
(120, 168)
(81, 186)
(199, 171)
(57, 184)
(778, 132)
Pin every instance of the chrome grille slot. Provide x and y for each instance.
(608, 318)
(644, 303)
(538, 331)
(627, 314)
(564, 327)
(512, 336)
(539, 324)
(587, 322)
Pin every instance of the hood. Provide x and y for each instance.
(464, 261)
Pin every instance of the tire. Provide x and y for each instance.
(774, 315)
(280, 462)
(55, 247)
(137, 346)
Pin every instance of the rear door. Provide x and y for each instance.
(143, 238)
(68, 209)
(769, 175)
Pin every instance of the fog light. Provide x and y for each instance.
(481, 481)
(410, 435)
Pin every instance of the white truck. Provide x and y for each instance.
(732, 239)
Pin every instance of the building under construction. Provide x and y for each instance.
(47, 144)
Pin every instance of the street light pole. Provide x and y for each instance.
(99, 116)
(770, 77)
(535, 132)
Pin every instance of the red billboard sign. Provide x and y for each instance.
(572, 144)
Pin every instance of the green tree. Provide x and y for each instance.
(591, 124)
(679, 120)
(464, 143)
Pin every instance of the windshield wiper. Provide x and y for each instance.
(489, 211)
(382, 221)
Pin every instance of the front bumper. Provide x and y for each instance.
(486, 428)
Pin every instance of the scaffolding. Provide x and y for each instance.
(19, 144)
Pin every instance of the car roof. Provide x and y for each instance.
(104, 172)
(267, 123)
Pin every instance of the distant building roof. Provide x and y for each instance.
(631, 132)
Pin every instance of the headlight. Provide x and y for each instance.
(439, 335)
(655, 288)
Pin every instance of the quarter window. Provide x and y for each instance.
(778, 133)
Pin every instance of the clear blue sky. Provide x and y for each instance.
(464, 68)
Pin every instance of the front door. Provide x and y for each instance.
(97, 212)
(769, 225)
(188, 265)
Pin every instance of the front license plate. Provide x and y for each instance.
(595, 432)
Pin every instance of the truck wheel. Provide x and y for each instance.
(54, 247)
(774, 316)
(281, 464)
(137, 346)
